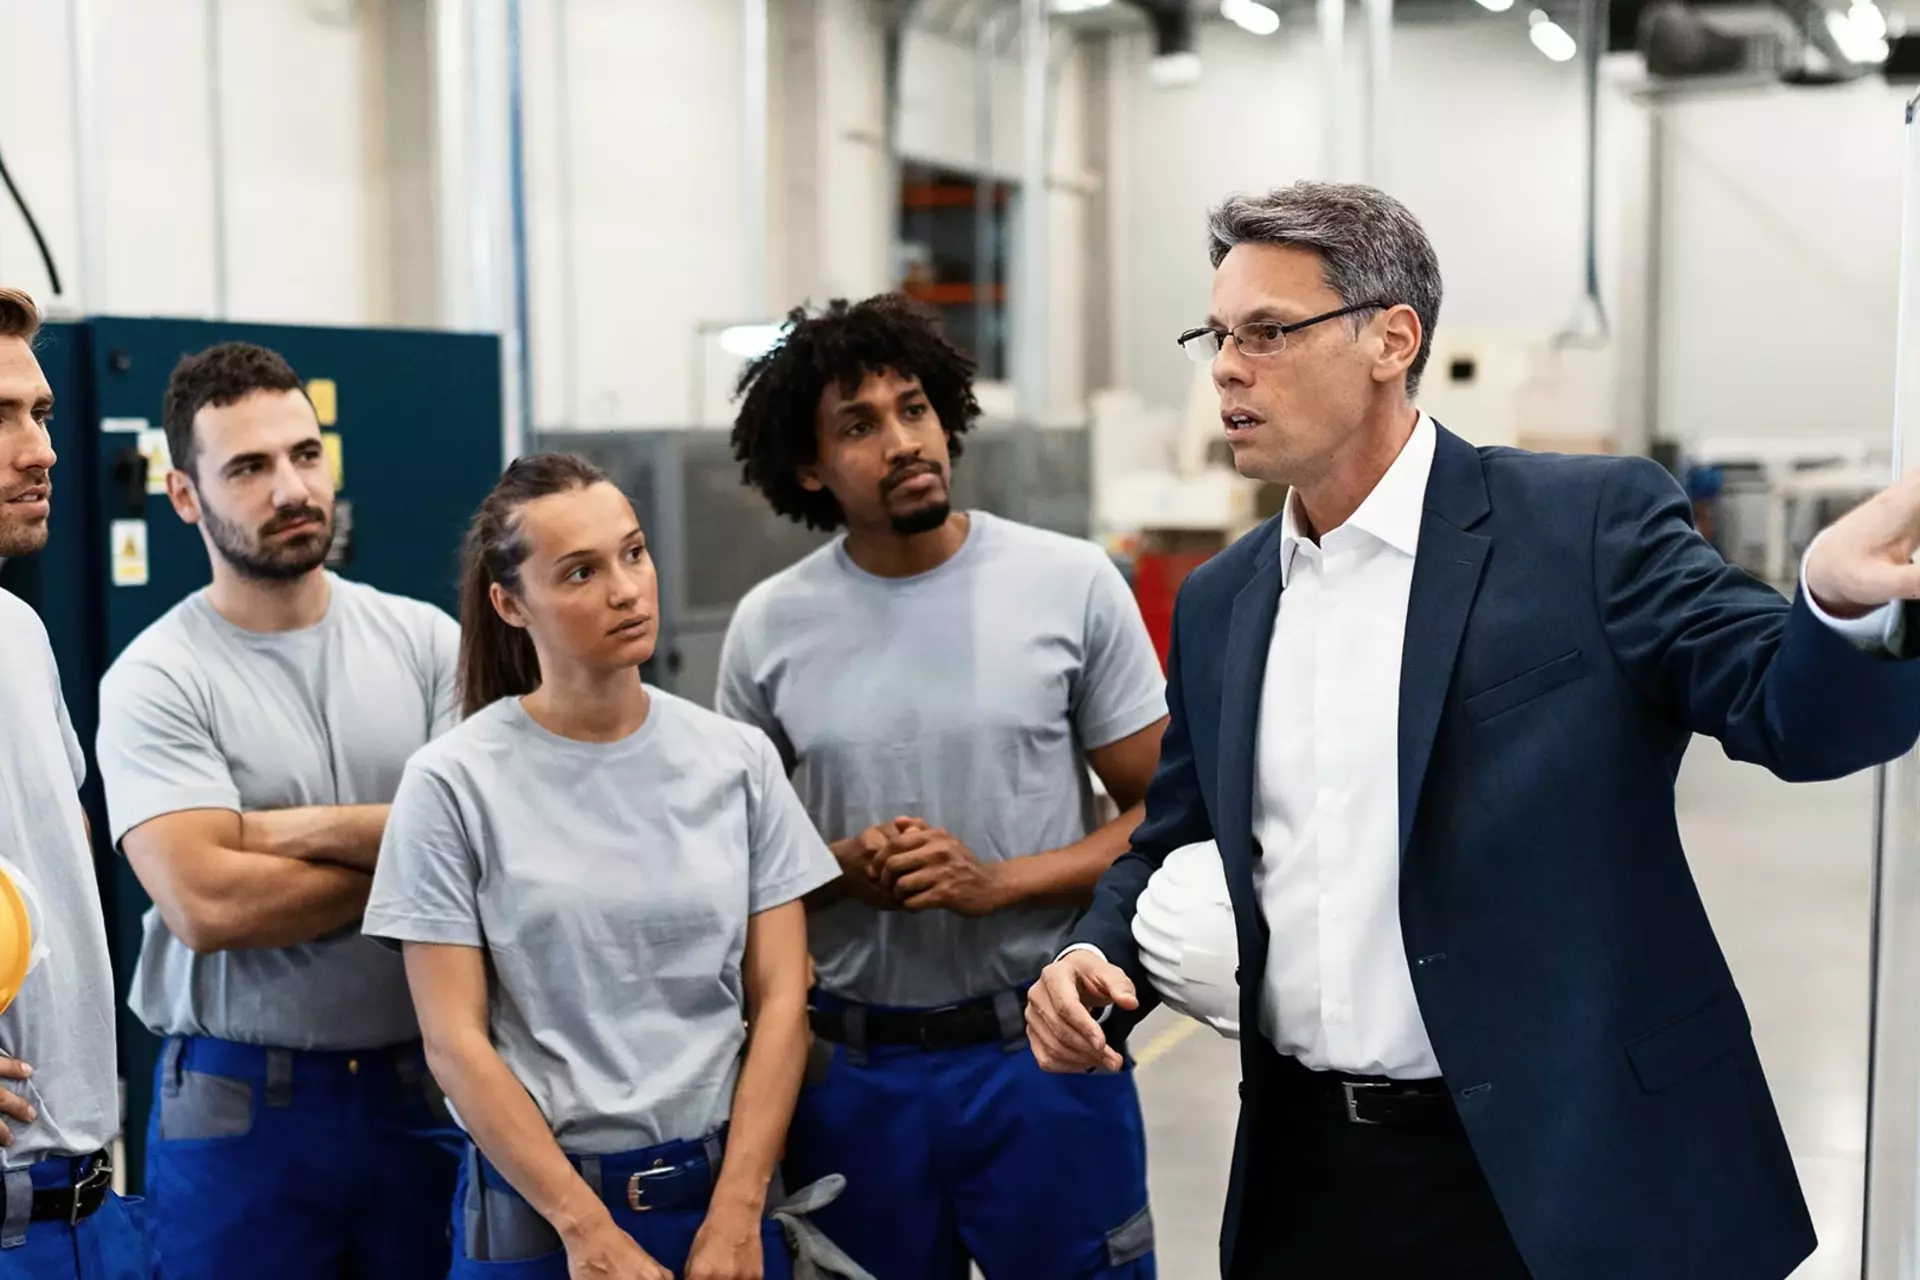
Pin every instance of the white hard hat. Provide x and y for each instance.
(1183, 926)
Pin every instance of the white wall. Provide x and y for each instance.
(1780, 263)
(1484, 143)
(304, 202)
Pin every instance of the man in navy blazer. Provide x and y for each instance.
(1432, 715)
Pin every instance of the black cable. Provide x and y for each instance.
(46, 255)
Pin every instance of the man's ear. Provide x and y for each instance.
(183, 496)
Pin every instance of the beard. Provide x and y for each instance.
(924, 520)
(251, 556)
(921, 519)
(21, 537)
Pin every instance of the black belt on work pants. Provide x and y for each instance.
(92, 1179)
(996, 1019)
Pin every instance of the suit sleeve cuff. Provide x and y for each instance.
(1881, 632)
(1103, 1014)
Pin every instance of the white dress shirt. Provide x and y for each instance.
(1337, 993)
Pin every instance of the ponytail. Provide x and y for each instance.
(497, 659)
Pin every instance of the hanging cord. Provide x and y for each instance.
(46, 255)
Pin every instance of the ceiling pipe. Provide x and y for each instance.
(1588, 326)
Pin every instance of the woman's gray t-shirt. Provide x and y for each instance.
(610, 885)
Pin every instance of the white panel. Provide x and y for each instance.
(1780, 262)
(301, 197)
(657, 200)
(40, 156)
(154, 175)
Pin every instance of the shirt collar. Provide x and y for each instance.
(1391, 513)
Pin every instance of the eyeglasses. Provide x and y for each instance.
(1258, 337)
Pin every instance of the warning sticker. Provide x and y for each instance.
(153, 446)
(129, 542)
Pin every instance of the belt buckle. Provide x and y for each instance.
(925, 1023)
(100, 1175)
(1350, 1089)
(636, 1185)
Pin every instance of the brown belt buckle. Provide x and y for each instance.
(1350, 1088)
(636, 1186)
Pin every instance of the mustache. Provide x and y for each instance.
(290, 517)
(38, 478)
(900, 475)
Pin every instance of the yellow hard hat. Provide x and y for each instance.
(20, 947)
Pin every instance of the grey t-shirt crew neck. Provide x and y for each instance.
(610, 885)
(967, 696)
(199, 713)
(61, 1022)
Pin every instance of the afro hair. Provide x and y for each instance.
(776, 432)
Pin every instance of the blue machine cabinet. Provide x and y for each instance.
(418, 417)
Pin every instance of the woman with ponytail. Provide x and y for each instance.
(597, 888)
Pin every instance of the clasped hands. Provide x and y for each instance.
(907, 865)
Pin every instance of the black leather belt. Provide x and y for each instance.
(949, 1028)
(1369, 1100)
(81, 1200)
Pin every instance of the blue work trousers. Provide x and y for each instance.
(108, 1244)
(301, 1165)
(519, 1245)
(975, 1153)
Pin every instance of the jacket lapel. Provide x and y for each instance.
(1446, 574)
(1249, 637)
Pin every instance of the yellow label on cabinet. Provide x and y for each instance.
(330, 442)
(326, 400)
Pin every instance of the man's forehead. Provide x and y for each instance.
(21, 378)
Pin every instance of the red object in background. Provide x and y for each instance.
(1157, 576)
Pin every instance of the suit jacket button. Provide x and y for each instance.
(1243, 1091)
(1236, 977)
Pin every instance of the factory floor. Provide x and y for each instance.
(1784, 871)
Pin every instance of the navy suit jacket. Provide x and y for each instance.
(1568, 631)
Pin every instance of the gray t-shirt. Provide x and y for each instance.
(200, 714)
(966, 696)
(62, 1020)
(610, 885)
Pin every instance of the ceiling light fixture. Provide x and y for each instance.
(1250, 15)
(1550, 38)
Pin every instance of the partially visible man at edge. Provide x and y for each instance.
(59, 1217)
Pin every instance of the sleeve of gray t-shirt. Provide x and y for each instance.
(156, 750)
(739, 695)
(444, 648)
(786, 859)
(1119, 689)
(426, 883)
(76, 758)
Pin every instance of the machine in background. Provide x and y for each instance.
(713, 538)
(412, 426)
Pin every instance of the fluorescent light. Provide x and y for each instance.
(1861, 32)
(1498, 6)
(1250, 15)
(751, 341)
(1868, 21)
(1550, 38)
(1077, 6)
(1175, 70)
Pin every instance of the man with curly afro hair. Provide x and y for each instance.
(940, 683)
